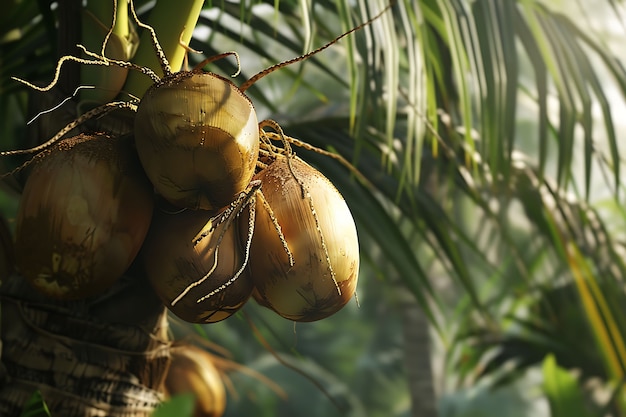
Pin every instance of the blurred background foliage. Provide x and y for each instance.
(491, 225)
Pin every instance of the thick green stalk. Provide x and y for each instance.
(97, 18)
(174, 22)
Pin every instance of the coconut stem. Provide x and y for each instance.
(277, 227)
(225, 219)
(273, 68)
(105, 108)
(173, 22)
(214, 58)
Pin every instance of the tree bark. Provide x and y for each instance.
(418, 359)
(103, 357)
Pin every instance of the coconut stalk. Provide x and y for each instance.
(174, 23)
(98, 18)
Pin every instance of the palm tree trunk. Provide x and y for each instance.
(418, 361)
(104, 357)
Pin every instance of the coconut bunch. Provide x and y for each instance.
(247, 218)
(288, 240)
(237, 216)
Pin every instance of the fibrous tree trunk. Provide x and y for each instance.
(418, 359)
(103, 357)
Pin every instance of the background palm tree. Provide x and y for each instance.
(488, 134)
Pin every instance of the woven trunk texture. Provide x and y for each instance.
(103, 357)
